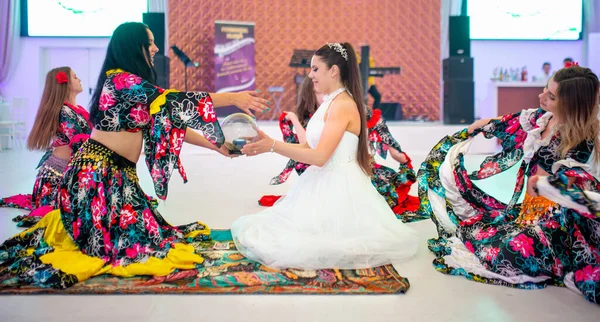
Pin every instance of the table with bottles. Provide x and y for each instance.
(511, 97)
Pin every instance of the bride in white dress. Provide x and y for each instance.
(333, 217)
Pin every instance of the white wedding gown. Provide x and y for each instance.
(332, 218)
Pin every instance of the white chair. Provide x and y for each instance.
(6, 128)
(277, 94)
(18, 109)
(13, 126)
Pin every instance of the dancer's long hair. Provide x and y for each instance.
(307, 102)
(128, 50)
(578, 108)
(48, 113)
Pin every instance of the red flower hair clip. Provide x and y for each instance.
(62, 78)
(571, 64)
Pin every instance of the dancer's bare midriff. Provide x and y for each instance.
(125, 144)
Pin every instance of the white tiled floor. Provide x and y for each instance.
(219, 191)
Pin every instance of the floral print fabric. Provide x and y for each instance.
(73, 129)
(559, 247)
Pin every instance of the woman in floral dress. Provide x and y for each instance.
(553, 236)
(105, 223)
(60, 127)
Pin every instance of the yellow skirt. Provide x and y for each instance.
(67, 257)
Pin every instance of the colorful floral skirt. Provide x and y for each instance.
(105, 224)
(530, 245)
(561, 250)
(45, 192)
(394, 186)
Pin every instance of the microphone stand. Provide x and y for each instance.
(187, 62)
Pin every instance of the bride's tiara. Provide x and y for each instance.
(340, 49)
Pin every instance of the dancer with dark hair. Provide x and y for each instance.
(105, 223)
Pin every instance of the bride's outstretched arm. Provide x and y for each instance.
(335, 126)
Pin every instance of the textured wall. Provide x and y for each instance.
(401, 33)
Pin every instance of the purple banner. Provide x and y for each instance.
(234, 56)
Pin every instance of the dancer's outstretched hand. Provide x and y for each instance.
(223, 150)
(477, 124)
(249, 101)
(532, 186)
(291, 116)
(398, 156)
(263, 145)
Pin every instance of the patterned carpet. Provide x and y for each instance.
(226, 271)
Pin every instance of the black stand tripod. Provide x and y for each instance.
(187, 62)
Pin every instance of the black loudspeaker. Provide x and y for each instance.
(459, 102)
(457, 68)
(156, 23)
(460, 37)
(162, 68)
(391, 111)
